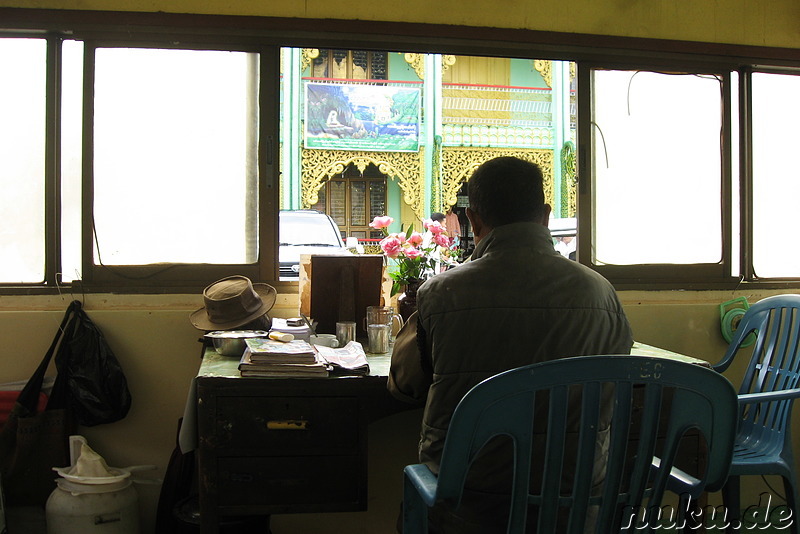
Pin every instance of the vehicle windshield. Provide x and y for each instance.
(315, 231)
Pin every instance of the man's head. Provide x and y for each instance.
(436, 216)
(506, 190)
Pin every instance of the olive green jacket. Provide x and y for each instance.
(516, 302)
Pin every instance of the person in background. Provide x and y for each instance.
(453, 227)
(429, 236)
(515, 302)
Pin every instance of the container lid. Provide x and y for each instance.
(78, 488)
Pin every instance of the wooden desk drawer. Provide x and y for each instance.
(287, 425)
(290, 481)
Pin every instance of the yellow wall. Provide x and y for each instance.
(759, 23)
(158, 348)
(159, 352)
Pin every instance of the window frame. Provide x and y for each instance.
(173, 276)
(646, 274)
(267, 34)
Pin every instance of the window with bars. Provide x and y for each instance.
(353, 199)
(350, 65)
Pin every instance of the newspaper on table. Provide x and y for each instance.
(350, 359)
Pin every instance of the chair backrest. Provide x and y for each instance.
(673, 398)
(774, 364)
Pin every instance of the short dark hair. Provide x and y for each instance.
(506, 190)
(436, 216)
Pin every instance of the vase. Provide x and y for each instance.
(407, 300)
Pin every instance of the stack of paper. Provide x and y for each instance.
(270, 358)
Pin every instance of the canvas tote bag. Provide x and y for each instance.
(33, 441)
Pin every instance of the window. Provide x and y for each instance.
(353, 200)
(350, 64)
(150, 160)
(656, 168)
(175, 156)
(163, 170)
(776, 180)
(22, 160)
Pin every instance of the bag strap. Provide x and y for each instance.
(29, 396)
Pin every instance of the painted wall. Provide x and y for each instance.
(159, 352)
(762, 23)
(158, 348)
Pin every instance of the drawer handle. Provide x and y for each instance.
(288, 424)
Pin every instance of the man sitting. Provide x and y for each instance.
(515, 302)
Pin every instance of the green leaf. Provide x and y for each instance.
(396, 286)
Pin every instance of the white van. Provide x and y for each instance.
(306, 232)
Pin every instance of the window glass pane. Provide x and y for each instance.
(377, 199)
(657, 170)
(22, 157)
(776, 184)
(358, 193)
(338, 211)
(175, 144)
(71, 105)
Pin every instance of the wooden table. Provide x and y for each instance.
(287, 445)
(284, 445)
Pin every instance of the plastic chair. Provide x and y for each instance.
(675, 398)
(763, 443)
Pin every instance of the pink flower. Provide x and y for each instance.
(381, 222)
(392, 245)
(412, 252)
(441, 239)
(434, 227)
(415, 238)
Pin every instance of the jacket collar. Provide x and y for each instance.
(528, 234)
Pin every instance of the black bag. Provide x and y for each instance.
(31, 442)
(98, 387)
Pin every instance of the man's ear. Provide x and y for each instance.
(546, 215)
(477, 223)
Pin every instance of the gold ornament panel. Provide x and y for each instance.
(417, 62)
(458, 164)
(319, 166)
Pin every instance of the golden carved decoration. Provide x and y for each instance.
(448, 60)
(573, 70)
(545, 68)
(458, 164)
(319, 166)
(569, 180)
(417, 62)
(308, 55)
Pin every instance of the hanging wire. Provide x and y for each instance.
(603, 137)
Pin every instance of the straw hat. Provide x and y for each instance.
(231, 302)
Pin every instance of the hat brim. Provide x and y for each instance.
(268, 294)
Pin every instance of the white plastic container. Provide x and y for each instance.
(92, 498)
(75, 508)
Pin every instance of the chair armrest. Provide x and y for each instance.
(424, 481)
(752, 398)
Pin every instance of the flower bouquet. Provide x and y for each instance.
(416, 254)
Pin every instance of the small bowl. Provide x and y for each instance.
(231, 342)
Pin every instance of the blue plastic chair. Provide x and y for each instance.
(675, 397)
(763, 441)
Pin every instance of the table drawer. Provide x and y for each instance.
(291, 481)
(287, 425)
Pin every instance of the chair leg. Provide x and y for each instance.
(731, 500)
(791, 501)
(689, 515)
(415, 513)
